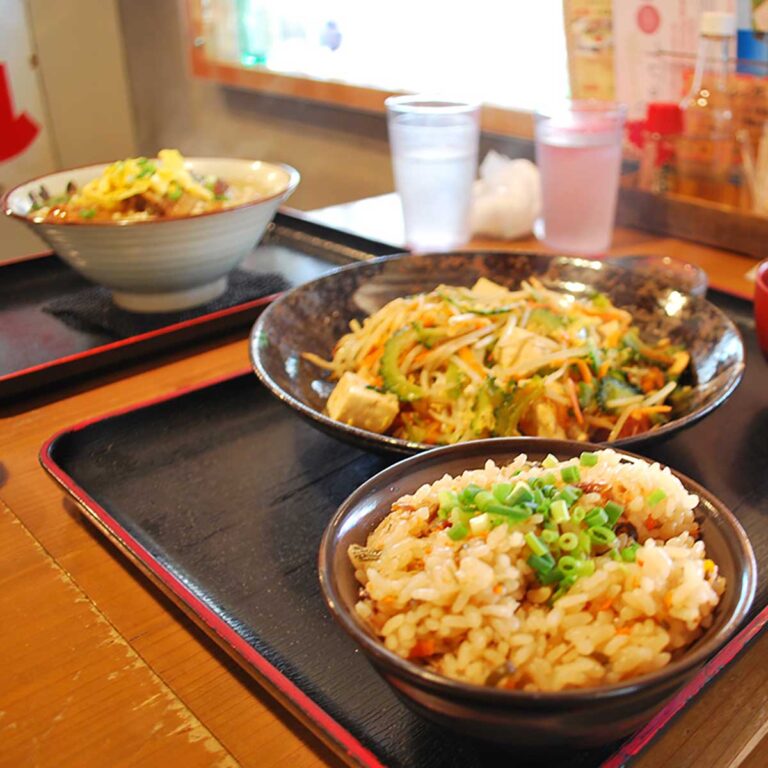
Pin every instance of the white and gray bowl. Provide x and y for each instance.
(162, 265)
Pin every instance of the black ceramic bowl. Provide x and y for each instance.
(585, 717)
(315, 315)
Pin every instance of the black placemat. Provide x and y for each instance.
(92, 309)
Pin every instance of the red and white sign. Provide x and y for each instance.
(17, 131)
(25, 143)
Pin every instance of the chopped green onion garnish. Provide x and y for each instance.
(513, 514)
(520, 494)
(559, 511)
(570, 474)
(568, 542)
(87, 213)
(585, 543)
(614, 554)
(629, 553)
(458, 531)
(479, 524)
(596, 516)
(601, 535)
(548, 491)
(467, 496)
(550, 577)
(484, 499)
(448, 499)
(578, 514)
(541, 563)
(550, 461)
(614, 512)
(570, 494)
(549, 536)
(586, 567)
(565, 584)
(536, 545)
(548, 479)
(568, 565)
(655, 497)
(501, 491)
(588, 459)
(175, 193)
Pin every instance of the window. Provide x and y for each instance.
(509, 55)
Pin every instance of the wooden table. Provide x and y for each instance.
(98, 669)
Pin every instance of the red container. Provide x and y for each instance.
(761, 306)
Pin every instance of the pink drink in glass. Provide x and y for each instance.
(578, 151)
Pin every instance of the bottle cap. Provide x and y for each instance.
(717, 24)
(664, 117)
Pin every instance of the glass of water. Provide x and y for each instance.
(434, 145)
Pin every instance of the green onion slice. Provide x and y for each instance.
(570, 474)
(629, 553)
(501, 491)
(550, 461)
(595, 517)
(549, 536)
(536, 545)
(614, 512)
(655, 497)
(601, 535)
(559, 511)
(458, 531)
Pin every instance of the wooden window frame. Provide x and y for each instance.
(505, 122)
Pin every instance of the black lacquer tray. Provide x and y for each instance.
(220, 494)
(38, 348)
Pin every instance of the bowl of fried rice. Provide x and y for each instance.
(535, 592)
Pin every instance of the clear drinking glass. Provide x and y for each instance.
(434, 145)
(578, 151)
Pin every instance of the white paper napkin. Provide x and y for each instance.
(506, 199)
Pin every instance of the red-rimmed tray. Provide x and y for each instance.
(39, 349)
(183, 486)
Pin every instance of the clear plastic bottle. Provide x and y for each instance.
(706, 166)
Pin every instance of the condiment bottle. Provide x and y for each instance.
(706, 149)
(663, 126)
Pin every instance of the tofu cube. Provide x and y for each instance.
(353, 402)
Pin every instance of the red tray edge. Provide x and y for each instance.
(130, 340)
(322, 720)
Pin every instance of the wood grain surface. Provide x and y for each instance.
(98, 668)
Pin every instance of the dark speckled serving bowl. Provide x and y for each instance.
(536, 721)
(315, 315)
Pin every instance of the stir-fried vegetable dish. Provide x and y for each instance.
(458, 364)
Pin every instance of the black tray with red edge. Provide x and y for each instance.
(38, 348)
(185, 487)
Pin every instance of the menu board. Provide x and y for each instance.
(589, 34)
(655, 44)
